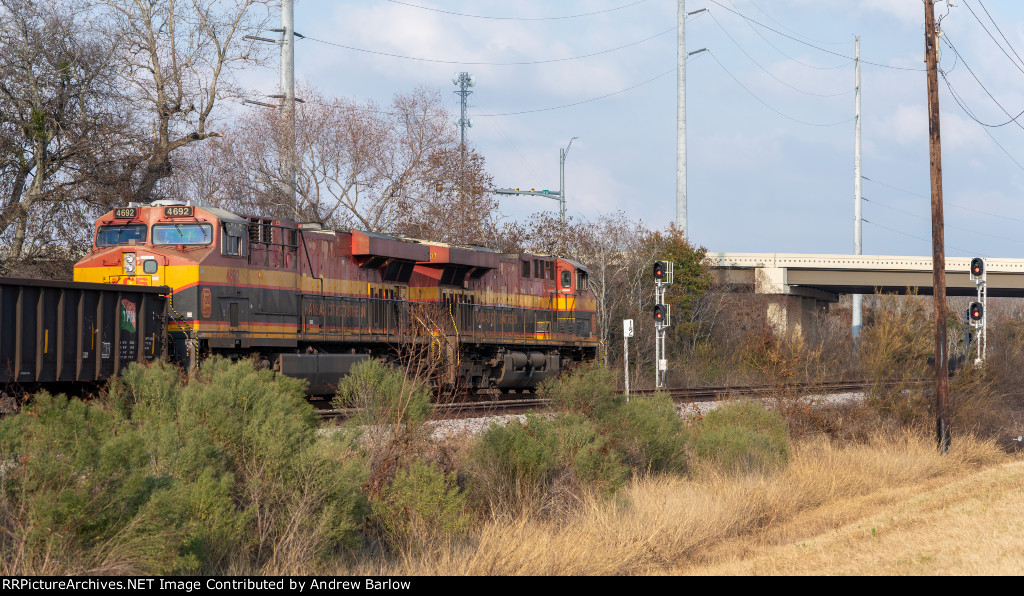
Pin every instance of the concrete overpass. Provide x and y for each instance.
(804, 283)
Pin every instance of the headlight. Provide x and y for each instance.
(129, 262)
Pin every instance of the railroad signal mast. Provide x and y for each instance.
(663, 278)
(978, 312)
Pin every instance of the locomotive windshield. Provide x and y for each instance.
(114, 235)
(183, 233)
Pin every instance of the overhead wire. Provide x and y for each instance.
(947, 224)
(819, 48)
(619, 92)
(474, 16)
(773, 19)
(926, 241)
(993, 37)
(759, 65)
(792, 59)
(483, 63)
(769, 106)
(1012, 119)
(914, 194)
(1008, 44)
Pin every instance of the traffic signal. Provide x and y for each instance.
(438, 187)
(662, 314)
(660, 268)
(977, 267)
(976, 311)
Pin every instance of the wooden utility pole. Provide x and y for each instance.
(931, 42)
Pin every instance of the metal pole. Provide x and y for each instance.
(858, 248)
(625, 352)
(681, 215)
(288, 101)
(561, 185)
(938, 234)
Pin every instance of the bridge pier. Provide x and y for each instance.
(794, 316)
(791, 309)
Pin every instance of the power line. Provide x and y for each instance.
(752, 59)
(819, 48)
(620, 91)
(1008, 44)
(475, 16)
(985, 234)
(999, 45)
(765, 104)
(1013, 119)
(761, 10)
(914, 194)
(914, 237)
(469, 63)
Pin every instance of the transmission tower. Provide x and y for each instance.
(464, 81)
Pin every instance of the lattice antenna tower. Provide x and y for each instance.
(464, 81)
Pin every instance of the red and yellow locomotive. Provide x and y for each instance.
(312, 302)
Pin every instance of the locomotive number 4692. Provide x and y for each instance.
(178, 211)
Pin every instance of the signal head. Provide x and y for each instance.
(659, 270)
(976, 311)
(977, 267)
(660, 313)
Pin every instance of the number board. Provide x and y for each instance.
(178, 211)
(125, 212)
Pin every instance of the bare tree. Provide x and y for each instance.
(56, 93)
(358, 165)
(177, 60)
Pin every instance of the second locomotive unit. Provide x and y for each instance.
(311, 302)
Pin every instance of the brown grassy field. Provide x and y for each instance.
(892, 506)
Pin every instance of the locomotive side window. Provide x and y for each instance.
(551, 270)
(114, 235)
(581, 281)
(526, 269)
(233, 240)
(183, 233)
(566, 279)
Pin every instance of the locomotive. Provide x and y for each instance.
(311, 302)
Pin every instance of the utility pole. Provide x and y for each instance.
(681, 216)
(931, 42)
(858, 299)
(288, 102)
(558, 196)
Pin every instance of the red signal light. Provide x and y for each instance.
(976, 311)
(660, 313)
(977, 266)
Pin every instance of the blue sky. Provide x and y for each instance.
(770, 129)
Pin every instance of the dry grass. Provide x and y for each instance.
(793, 522)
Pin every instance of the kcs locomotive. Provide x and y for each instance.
(310, 302)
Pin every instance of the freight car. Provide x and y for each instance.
(61, 333)
(311, 302)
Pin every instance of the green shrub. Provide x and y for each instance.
(588, 389)
(74, 476)
(741, 437)
(383, 394)
(421, 505)
(160, 477)
(521, 465)
(650, 433)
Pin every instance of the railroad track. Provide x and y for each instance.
(472, 409)
(716, 393)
